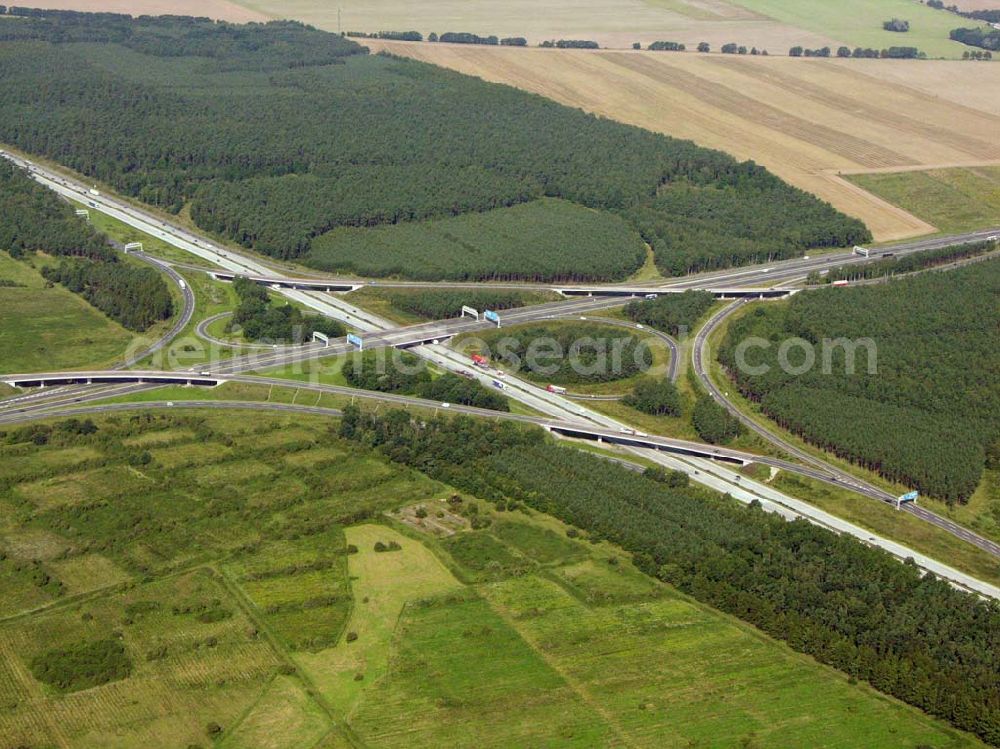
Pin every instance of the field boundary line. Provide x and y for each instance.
(920, 168)
(252, 613)
(919, 226)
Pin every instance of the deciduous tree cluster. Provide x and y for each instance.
(673, 314)
(262, 320)
(403, 372)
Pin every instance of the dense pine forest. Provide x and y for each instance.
(275, 134)
(33, 219)
(543, 240)
(846, 604)
(931, 411)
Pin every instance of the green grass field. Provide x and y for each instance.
(858, 23)
(953, 200)
(589, 653)
(236, 569)
(122, 232)
(47, 329)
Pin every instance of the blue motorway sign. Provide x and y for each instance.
(909, 496)
(492, 316)
(355, 340)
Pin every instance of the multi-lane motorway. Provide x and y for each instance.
(560, 414)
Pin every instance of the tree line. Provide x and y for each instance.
(397, 36)
(920, 406)
(847, 605)
(988, 39)
(34, 219)
(666, 47)
(570, 44)
(888, 53)
(277, 133)
(135, 297)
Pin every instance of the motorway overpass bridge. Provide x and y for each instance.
(52, 379)
(581, 430)
(622, 290)
(720, 292)
(284, 282)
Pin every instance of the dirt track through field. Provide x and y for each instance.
(806, 120)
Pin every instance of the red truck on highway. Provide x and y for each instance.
(480, 361)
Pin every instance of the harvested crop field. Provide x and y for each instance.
(221, 9)
(806, 120)
(612, 23)
(963, 83)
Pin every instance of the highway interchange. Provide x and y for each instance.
(558, 413)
